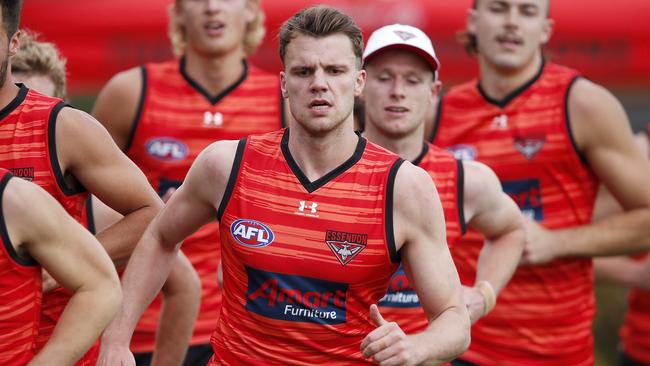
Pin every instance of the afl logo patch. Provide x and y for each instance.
(166, 149)
(463, 152)
(251, 233)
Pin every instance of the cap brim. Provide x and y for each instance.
(401, 46)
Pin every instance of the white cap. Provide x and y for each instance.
(399, 36)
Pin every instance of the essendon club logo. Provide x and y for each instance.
(26, 173)
(405, 36)
(345, 246)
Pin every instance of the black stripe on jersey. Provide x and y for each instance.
(460, 195)
(313, 186)
(232, 178)
(567, 120)
(212, 99)
(138, 111)
(436, 120)
(18, 99)
(4, 233)
(515, 93)
(395, 256)
(90, 216)
(423, 153)
(54, 160)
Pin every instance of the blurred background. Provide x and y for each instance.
(609, 42)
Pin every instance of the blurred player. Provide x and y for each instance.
(401, 86)
(36, 231)
(550, 136)
(67, 153)
(313, 221)
(163, 114)
(38, 65)
(632, 272)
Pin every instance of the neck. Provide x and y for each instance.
(8, 91)
(319, 155)
(408, 147)
(214, 74)
(500, 82)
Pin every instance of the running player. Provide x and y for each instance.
(550, 136)
(68, 153)
(38, 65)
(35, 231)
(313, 222)
(633, 272)
(401, 86)
(163, 114)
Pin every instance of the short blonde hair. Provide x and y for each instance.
(40, 58)
(255, 30)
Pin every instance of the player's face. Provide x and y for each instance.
(321, 79)
(398, 93)
(510, 33)
(41, 83)
(215, 27)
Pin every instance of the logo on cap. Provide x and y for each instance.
(405, 36)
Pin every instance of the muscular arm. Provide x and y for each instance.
(193, 205)
(420, 233)
(86, 152)
(602, 132)
(75, 259)
(494, 214)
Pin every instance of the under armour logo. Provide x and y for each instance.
(499, 122)
(309, 207)
(215, 119)
(405, 36)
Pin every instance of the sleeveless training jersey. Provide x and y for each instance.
(176, 120)
(401, 304)
(543, 316)
(20, 297)
(635, 333)
(303, 261)
(28, 142)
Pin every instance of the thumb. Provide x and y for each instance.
(376, 317)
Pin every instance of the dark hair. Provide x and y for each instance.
(321, 21)
(11, 15)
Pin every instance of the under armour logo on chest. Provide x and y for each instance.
(212, 119)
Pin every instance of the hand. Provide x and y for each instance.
(540, 245)
(49, 283)
(168, 194)
(475, 303)
(388, 344)
(115, 356)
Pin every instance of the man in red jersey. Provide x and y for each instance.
(39, 66)
(551, 137)
(633, 272)
(68, 153)
(36, 231)
(401, 86)
(163, 114)
(314, 221)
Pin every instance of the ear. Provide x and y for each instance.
(359, 82)
(14, 43)
(471, 21)
(283, 85)
(250, 11)
(547, 30)
(436, 86)
(174, 13)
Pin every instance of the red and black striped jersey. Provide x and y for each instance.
(401, 304)
(20, 296)
(544, 314)
(303, 261)
(176, 120)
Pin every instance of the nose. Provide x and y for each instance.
(319, 82)
(512, 17)
(212, 6)
(397, 89)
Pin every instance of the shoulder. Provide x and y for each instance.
(126, 82)
(479, 181)
(216, 160)
(413, 187)
(27, 204)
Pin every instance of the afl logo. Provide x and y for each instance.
(463, 152)
(251, 233)
(166, 149)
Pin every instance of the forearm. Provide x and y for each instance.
(446, 337)
(620, 234)
(85, 316)
(120, 239)
(499, 259)
(144, 276)
(181, 302)
(620, 270)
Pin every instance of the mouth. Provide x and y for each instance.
(509, 40)
(214, 27)
(396, 110)
(319, 104)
